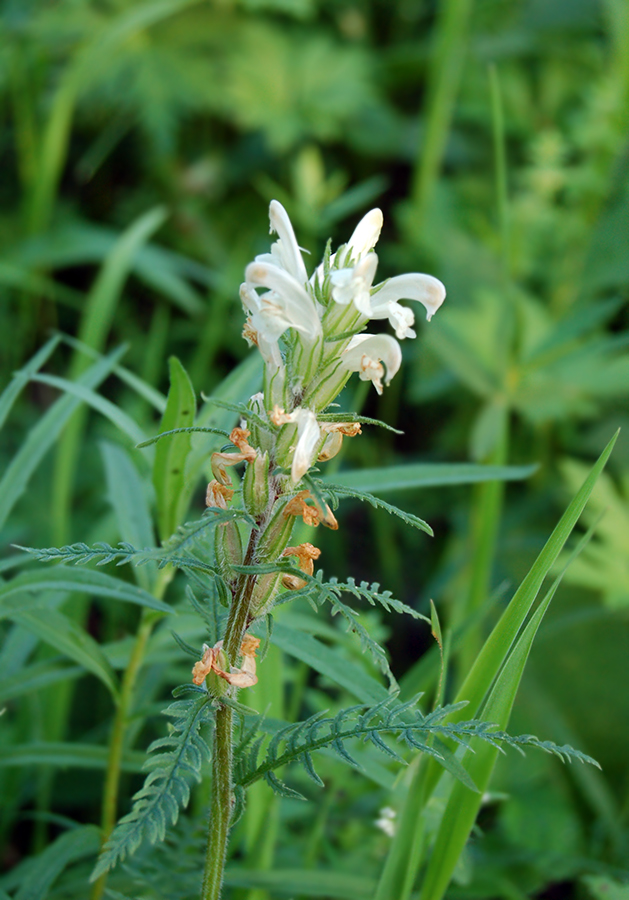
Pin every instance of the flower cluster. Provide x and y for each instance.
(320, 318)
(310, 332)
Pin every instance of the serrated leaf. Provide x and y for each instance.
(377, 503)
(164, 789)
(282, 789)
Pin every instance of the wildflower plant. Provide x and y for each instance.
(310, 332)
(242, 560)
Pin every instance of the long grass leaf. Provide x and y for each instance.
(20, 379)
(67, 637)
(422, 475)
(67, 578)
(43, 435)
(65, 850)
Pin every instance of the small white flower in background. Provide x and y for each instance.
(386, 821)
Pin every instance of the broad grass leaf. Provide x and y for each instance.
(325, 661)
(297, 882)
(105, 407)
(498, 651)
(67, 637)
(422, 475)
(128, 497)
(48, 865)
(20, 379)
(171, 453)
(36, 677)
(70, 755)
(44, 434)
(68, 578)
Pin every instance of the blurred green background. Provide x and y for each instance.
(141, 143)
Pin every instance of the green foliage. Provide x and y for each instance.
(169, 471)
(343, 491)
(402, 721)
(142, 142)
(167, 786)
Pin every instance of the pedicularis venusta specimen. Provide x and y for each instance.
(310, 331)
(320, 321)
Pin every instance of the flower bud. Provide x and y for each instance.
(229, 550)
(255, 485)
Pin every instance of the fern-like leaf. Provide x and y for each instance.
(189, 430)
(167, 786)
(355, 417)
(340, 490)
(185, 537)
(240, 409)
(299, 741)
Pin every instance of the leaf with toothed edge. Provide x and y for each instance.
(425, 733)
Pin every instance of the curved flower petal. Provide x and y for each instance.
(364, 237)
(257, 330)
(413, 286)
(354, 285)
(290, 302)
(365, 354)
(286, 248)
(308, 440)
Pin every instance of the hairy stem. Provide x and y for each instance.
(121, 719)
(222, 758)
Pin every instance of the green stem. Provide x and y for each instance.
(121, 720)
(222, 758)
(220, 810)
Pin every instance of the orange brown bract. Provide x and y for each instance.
(306, 554)
(311, 515)
(218, 495)
(242, 678)
(246, 453)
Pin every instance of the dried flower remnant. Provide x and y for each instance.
(306, 554)
(218, 495)
(213, 661)
(311, 515)
(246, 453)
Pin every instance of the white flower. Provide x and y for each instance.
(287, 305)
(386, 821)
(424, 288)
(365, 354)
(354, 285)
(308, 438)
(259, 330)
(364, 238)
(285, 252)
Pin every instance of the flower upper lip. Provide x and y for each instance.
(292, 301)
